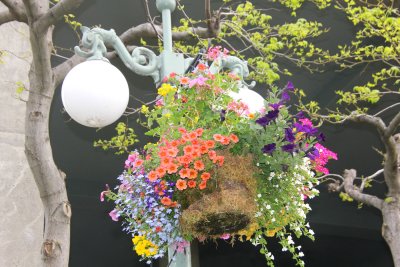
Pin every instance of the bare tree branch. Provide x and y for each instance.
(376, 122)
(349, 176)
(57, 12)
(6, 16)
(394, 123)
(16, 7)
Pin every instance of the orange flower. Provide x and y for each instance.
(166, 161)
(172, 168)
(195, 142)
(205, 176)
(203, 149)
(201, 67)
(166, 201)
(186, 137)
(192, 135)
(199, 165)
(199, 131)
(220, 160)
(182, 130)
(138, 163)
(212, 154)
(160, 171)
(225, 140)
(191, 183)
(173, 204)
(218, 137)
(185, 159)
(181, 184)
(152, 176)
(234, 138)
(172, 152)
(162, 153)
(184, 173)
(175, 143)
(196, 154)
(203, 184)
(148, 157)
(210, 143)
(188, 150)
(192, 174)
(184, 80)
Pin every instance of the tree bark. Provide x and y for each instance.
(49, 180)
(391, 227)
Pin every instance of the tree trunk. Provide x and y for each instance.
(49, 180)
(391, 227)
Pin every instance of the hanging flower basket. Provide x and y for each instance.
(221, 168)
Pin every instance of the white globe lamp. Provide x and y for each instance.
(95, 93)
(252, 99)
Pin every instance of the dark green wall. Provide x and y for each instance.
(345, 235)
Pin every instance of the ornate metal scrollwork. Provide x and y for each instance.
(142, 61)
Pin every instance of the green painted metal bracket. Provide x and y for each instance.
(142, 61)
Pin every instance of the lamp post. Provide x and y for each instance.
(96, 94)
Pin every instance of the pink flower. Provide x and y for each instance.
(180, 246)
(225, 236)
(104, 193)
(199, 81)
(160, 102)
(114, 215)
(215, 52)
(306, 122)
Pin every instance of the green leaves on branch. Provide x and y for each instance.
(122, 142)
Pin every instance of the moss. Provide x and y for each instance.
(231, 206)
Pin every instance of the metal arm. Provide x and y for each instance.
(142, 61)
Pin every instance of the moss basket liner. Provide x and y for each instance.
(231, 207)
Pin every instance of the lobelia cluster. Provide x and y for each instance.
(197, 123)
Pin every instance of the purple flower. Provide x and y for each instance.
(313, 154)
(290, 86)
(321, 137)
(285, 97)
(288, 148)
(299, 115)
(275, 106)
(200, 81)
(289, 136)
(272, 114)
(263, 121)
(268, 149)
(222, 114)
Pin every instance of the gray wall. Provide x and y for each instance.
(21, 220)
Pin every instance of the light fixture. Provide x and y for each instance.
(95, 93)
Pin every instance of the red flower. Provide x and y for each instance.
(191, 183)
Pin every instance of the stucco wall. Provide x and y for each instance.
(21, 216)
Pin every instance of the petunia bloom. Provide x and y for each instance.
(268, 149)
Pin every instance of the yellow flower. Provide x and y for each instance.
(165, 89)
(144, 109)
(167, 115)
(144, 247)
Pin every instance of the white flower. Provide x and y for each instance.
(268, 207)
(284, 249)
(311, 232)
(259, 195)
(301, 254)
